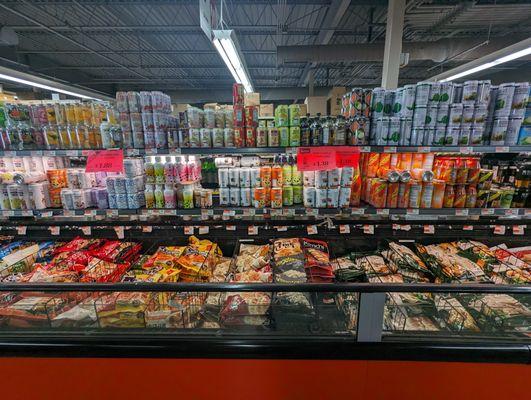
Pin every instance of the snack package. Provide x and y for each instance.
(317, 261)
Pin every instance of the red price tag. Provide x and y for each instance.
(316, 158)
(105, 161)
(347, 156)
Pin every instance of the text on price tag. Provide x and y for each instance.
(518, 229)
(499, 230)
(368, 229)
(119, 232)
(347, 156)
(147, 229)
(21, 230)
(189, 230)
(86, 230)
(54, 230)
(252, 230)
(311, 229)
(429, 229)
(203, 230)
(105, 161)
(316, 158)
(344, 229)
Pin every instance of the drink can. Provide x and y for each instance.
(381, 131)
(504, 100)
(205, 137)
(294, 114)
(245, 177)
(295, 136)
(470, 92)
(332, 199)
(468, 113)
(347, 176)
(393, 136)
(520, 99)
(256, 180)
(378, 192)
(195, 137)
(439, 138)
(464, 136)
(499, 131)
(333, 178)
(477, 134)
(261, 137)
(224, 196)
(431, 116)
(321, 198)
(483, 92)
(429, 135)
(480, 114)
(223, 177)
(265, 176)
(250, 137)
(405, 131)
(308, 178)
(408, 101)
(358, 131)
(296, 176)
(217, 137)
(277, 176)
(234, 177)
(513, 130)
(446, 93)
(276, 197)
(452, 136)
(245, 197)
(392, 194)
(287, 195)
(284, 136)
(321, 179)
(456, 115)
(419, 116)
(355, 101)
(184, 137)
(426, 195)
(442, 115)
(309, 194)
(377, 103)
(228, 137)
(259, 197)
(297, 194)
(403, 195)
(273, 137)
(282, 116)
(287, 177)
(367, 101)
(417, 137)
(344, 197)
(397, 105)
(239, 137)
(389, 100)
(422, 94)
(435, 90)
(234, 196)
(415, 191)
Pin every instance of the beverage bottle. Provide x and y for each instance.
(287, 168)
(277, 179)
(149, 196)
(169, 196)
(340, 131)
(327, 132)
(471, 196)
(296, 175)
(305, 131)
(449, 196)
(159, 196)
(169, 172)
(149, 170)
(316, 131)
(158, 169)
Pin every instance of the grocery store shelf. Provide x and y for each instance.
(273, 150)
(289, 212)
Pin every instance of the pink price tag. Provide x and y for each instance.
(347, 156)
(468, 227)
(320, 158)
(105, 161)
(518, 229)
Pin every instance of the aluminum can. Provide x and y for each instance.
(321, 179)
(245, 197)
(377, 102)
(456, 115)
(499, 131)
(321, 198)
(381, 131)
(234, 196)
(245, 177)
(309, 196)
(504, 100)
(419, 116)
(446, 93)
(234, 177)
(513, 131)
(422, 94)
(224, 196)
(520, 99)
(228, 137)
(470, 92)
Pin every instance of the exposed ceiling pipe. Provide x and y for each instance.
(437, 51)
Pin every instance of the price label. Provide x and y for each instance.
(111, 213)
(518, 229)
(252, 230)
(311, 229)
(499, 230)
(344, 229)
(151, 151)
(365, 149)
(289, 212)
(382, 211)
(249, 212)
(91, 213)
(275, 212)
(389, 149)
(46, 214)
(347, 157)
(87, 230)
(368, 229)
(424, 149)
(487, 211)
(227, 214)
(176, 150)
(133, 152)
(429, 229)
(466, 150)
(501, 149)
(71, 153)
(119, 232)
(311, 212)
(357, 211)
(69, 213)
(461, 212)
(54, 230)
(204, 215)
(412, 211)
(105, 161)
(52, 153)
(189, 230)
(282, 228)
(147, 229)
(405, 227)
(21, 230)
(316, 158)
(396, 227)
(230, 227)
(511, 211)
(468, 227)
(203, 230)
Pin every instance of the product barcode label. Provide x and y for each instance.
(461, 212)
(424, 149)
(289, 212)
(382, 211)
(365, 149)
(518, 229)
(468, 227)
(230, 227)
(487, 211)
(511, 211)
(389, 149)
(46, 214)
(396, 227)
(501, 149)
(249, 212)
(357, 211)
(466, 150)
(54, 230)
(147, 229)
(119, 232)
(412, 211)
(282, 228)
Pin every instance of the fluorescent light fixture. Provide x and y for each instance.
(41, 86)
(227, 47)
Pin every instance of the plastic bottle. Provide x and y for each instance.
(326, 132)
(169, 196)
(305, 131)
(149, 170)
(149, 196)
(296, 175)
(287, 169)
(316, 132)
(169, 176)
(159, 196)
(158, 168)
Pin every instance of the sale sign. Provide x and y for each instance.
(316, 158)
(105, 161)
(347, 156)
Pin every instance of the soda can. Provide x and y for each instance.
(333, 178)
(377, 102)
(308, 178)
(367, 101)
(321, 179)
(435, 89)
(205, 137)
(456, 115)
(259, 198)
(239, 137)
(261, 137)
(295, 136)
(477, 136)
(347, 176)
(504, 100)
(393, 136)
(439, 138)
(377, 192)
(407, 103)
(276, 197)
(403, 195)
(245, 197)
(234, 196)
(397, 104)
(344, 197)
(245, 177)
(256, 180)
(405, 131)
(265, 176)
(429, 135)
(297, 194)
(426, 195)
(277, 176)
(442, 116)
(250, 137)
(468, 113)
(321, 198)
(195, 137)
(284, 136)
(415, 189)
(513, 130)
(381, 131)
(218, 139)
(273, 137)
(452, 136)
(422, 94)
(238, 116)
(480, 114)
(499, 131)
(296, 176)
(417, 137)
(309, 194)
(483, 92)
(224, 196)
(470, 92)
(228, 137)
(234, 177)
(287, 195)
(419, 116)
(392, 195)
(332, 198)
(446, 93)
(520, 99)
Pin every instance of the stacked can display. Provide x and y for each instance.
(356, 108)
(210, 128)
(172, 182)
(87, 125)
(288, 126)
(328, 189)
(524, 135)
(146, 120)
(125, 191)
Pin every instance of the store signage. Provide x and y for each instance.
(347, 156)
(327, 157)
(105, 161)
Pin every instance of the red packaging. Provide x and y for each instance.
(237, 94)
(251, 116)
(250, 137)
(238, 114)
(116, 251)
(317, 260)
(392, 195)
(77, 244)
(239, 137)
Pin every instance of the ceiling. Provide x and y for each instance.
(110, 45)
